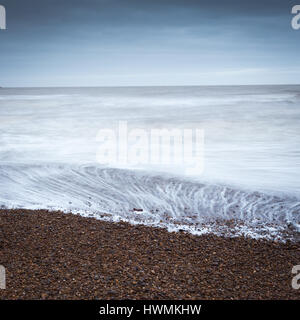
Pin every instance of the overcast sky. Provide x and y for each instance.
(143, 42)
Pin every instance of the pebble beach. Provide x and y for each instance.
(53, 255)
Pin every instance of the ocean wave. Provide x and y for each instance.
(142, 197)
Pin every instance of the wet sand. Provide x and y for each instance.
(52, 255)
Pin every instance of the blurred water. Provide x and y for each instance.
(252, 141)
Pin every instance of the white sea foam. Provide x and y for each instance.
(166, 201)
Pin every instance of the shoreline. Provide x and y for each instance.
(55, 255)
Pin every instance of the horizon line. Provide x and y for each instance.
(150, 86)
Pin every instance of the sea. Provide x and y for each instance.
(249, 185)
